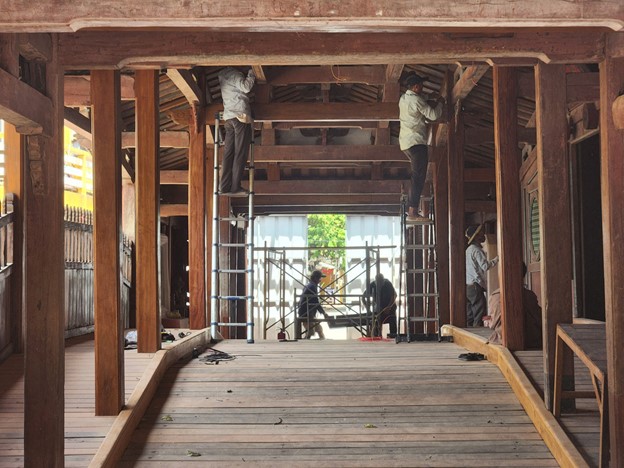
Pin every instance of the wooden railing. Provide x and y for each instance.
(6, 262)
(79, 318)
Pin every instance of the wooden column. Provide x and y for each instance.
(44, 286)
(508, 160)
(440, 188)
(147, 206)
(14, 155)
(457, 241)
(109, 339)
(210, 188)
(555, 217)
(612, 174)
(197, 220)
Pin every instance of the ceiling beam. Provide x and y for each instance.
(171, 49)
(327, 74)
(318, 111)
(260, 75)
(78, 90)
(323, 15)
(320, 124)
(580, 87)
(185, 82)
(24, 107)
(393, 72)
(481, 135)
(468, 80)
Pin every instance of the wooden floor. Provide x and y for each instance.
(582, 426)
(83, 432)
(336, 403)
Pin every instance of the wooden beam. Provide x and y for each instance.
(171, 49)
(186, 83)
(44, 285)
(147, 207)
(327, 74)
(554, 208)
(393, 72)
(580, 87)
(78, 90)
(173, 209)
(440, 192)
(468, 80)
(109, 327)
(28, 110)
(481, 135)
(168, 139)
(612, 171)
(260, 75)
(35, 47)
(77, 122)
(508, 192)
(319, 111)
(197, 222)
(9, 55)
(321, 124)
(457, 259)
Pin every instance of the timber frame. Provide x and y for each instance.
(138, 84)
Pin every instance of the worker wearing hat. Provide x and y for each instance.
(309, 305)
(414, 114)
(477, 265)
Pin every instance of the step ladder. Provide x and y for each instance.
(222, 303)
(419, 316)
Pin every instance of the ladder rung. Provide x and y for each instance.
(233, 218)
(421, 270)
(423, 319)
(419, 223)
(233, 298)
(419, 246)
(231, 324)
(229, 244)
(423, 295)
(232, 271)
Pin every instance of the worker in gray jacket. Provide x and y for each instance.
(238, 128)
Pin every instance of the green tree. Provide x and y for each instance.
(327, 230)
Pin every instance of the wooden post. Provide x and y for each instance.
(555, 218)
(612, 171)
(109, 339)
(440, 188)
(197, 219)
(457, 241)
(508, 206)
(14, 183)
(148, 211)
(44, 285)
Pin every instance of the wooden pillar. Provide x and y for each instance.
(44, 286)
(508, 160)
(14, 183)
(555, 217)
(148, 207)
(457, 241)
(197, 219)
(109, 339)
(210, 188)
(440, 187)
(612, 173)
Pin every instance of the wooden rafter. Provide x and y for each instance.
(185, 82)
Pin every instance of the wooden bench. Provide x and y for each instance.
(588, 342)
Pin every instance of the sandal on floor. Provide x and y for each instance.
(471, 357)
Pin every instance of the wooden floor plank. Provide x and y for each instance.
(336, 403)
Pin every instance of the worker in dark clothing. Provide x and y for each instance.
(309, 305)
(384, 305)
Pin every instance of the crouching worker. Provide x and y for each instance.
(309, 305)
(384, 305)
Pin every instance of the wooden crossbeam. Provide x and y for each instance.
(97, 49)
(23, 107)
(468, 80)
(480, 135)
(185, 82)
(328, 74)
(580, 87)
(35, 46)
(78, 90)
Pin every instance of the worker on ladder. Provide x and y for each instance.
(238, 128)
